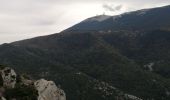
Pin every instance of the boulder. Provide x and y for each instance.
(47, 90)
(8, 76)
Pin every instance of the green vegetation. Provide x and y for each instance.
(21, 92)
(115, 58)
(88, 65)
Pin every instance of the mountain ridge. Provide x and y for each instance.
(87, 63)
(127, 21)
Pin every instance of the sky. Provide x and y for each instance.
(22, 19)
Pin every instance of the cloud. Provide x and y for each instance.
(27, 18)
(112, 8)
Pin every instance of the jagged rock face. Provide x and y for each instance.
(9, 77)
(47, 90)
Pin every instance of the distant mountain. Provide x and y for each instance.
(102, 58)
(146, 19)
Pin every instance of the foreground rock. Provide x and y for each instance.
(2, 98)
(47, 90)
(8, 76)
(18, 87)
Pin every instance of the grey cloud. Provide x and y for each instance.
(112, 7)
(30, 18)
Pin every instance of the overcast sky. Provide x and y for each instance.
(21, 19)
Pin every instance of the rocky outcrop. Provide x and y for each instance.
(47, 90)
(13, 86)
(8, 76)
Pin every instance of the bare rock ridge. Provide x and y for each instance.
(39, 89)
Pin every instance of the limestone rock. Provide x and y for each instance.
(9, 77)
(47, 90)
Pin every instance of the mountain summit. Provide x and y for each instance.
(99, 18)
(146, 19)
